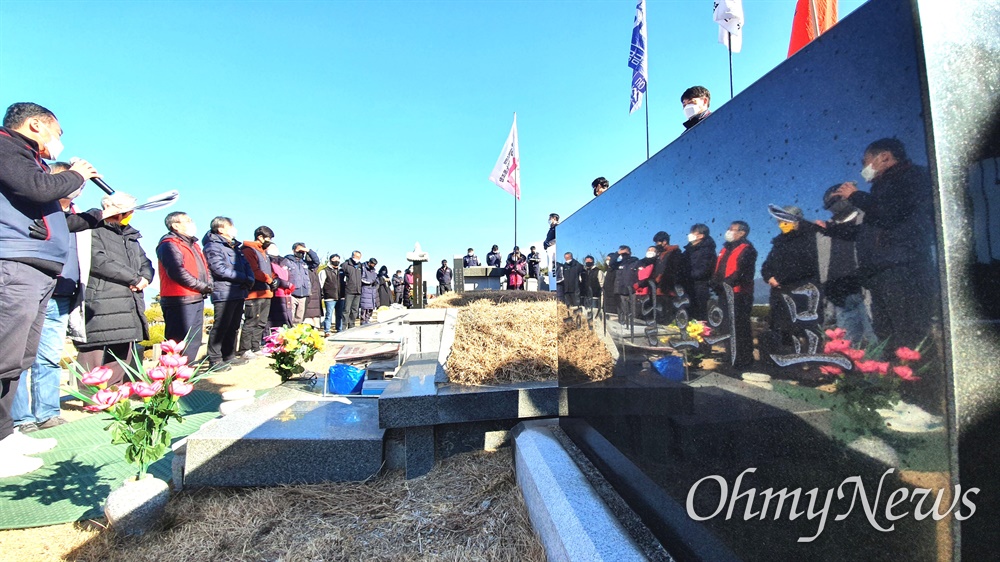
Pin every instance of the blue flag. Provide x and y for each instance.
(637, 57)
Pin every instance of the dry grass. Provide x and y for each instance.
(582, 355)
(455, 300)
(468, 508)
(498, 341)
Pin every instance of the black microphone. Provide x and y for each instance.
(100, 183)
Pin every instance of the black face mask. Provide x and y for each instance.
(590, 265)
(265, 244)
(841, 207)
(335, 264)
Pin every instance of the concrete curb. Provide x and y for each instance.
(565, 510)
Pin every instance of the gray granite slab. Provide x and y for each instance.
(288, 442)
(419, 450)
(567, 513)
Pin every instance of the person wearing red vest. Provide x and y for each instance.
(735, 267)
(185, 280)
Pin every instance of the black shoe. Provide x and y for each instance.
(219, 367)
(237, 361)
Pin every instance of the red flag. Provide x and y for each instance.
(812, 18)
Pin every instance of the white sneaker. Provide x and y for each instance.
(249, 355)
(19, 444)
(16, 465)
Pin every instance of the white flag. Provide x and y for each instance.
(729, 16)
(507, 174)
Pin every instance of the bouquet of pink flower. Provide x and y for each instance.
(872, 383)
(141, 424)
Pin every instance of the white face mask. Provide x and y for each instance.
(730, 236)
(651, 255)
(692, 237)
(191, 229)
(54, 147)
(690, 110)
(470, 253)
(868, 173)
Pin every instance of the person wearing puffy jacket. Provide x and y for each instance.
(185, 280)
(369, 289)
(114, 308)
(232, 278)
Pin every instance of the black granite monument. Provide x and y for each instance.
(724, 465)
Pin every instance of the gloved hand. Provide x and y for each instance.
(38, 230)
(273, 284)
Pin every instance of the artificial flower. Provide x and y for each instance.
(180, 388)
(158, 373)
(102, 400)
(905, 373)
(184, 373)
(836, 346)
(98, 377)
(170, 347)
(173, 361)
(854, 354)
(836, 333)
(907, 354)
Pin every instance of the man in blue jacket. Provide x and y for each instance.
(232, 278)
(29, 263)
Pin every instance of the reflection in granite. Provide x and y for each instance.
(784, 141)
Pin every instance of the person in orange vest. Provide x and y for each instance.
(735, 267)
(185, 281)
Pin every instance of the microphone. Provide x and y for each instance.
(100, 183)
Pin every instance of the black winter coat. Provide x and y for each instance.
(574, 277)
(232, 275)
(113, 312)
(899, 218)
(313, 305)
(699, 260)
(351, 273)
(793, 259)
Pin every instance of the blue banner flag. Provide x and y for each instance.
(637, 57)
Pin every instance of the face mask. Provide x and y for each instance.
(54, 147)
(471, 254)
(335, 263)
(301, 255)
(786, 227)
(126, 220)
(191, 230)
(690, 110)
(265, 244)
(650, 255)
(75, 194)
(841, 206)
(730, 236)
(868, 173)
(589, 265)
(692, 237)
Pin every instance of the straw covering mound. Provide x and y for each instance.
(468, 508)
(511, 336)
(502, 342)
(582, 356)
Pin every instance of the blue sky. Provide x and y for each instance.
(368, 125)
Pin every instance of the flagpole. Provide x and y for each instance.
(730, 45)
(647, 120)
(517, 178)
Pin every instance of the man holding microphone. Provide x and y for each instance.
(29, 265)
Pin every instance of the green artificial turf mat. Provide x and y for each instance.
(85, 467)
